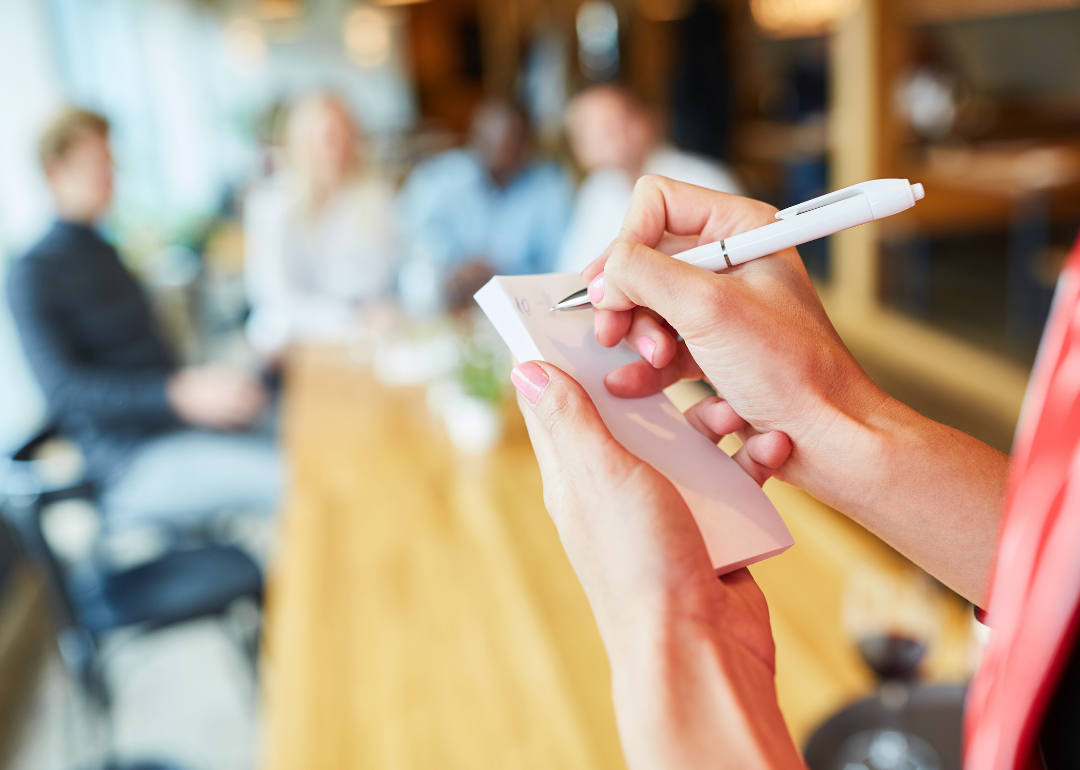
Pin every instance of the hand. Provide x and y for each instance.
(215, 397)
(758, 332)
(692, 656)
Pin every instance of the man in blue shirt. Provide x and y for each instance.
(482, 209)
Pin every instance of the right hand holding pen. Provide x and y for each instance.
(215, 397)
(758, 331)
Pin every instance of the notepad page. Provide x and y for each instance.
(738, 522)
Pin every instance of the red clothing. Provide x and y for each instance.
(1035, 591)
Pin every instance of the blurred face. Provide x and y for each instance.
(333, 144)
(606, 132)
(500, 137)
(82, 180)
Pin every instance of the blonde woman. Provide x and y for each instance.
(319, 240)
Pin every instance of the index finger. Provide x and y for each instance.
(662, 206)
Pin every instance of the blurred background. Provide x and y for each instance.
(270, 504)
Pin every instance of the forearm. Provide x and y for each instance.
(687, 695)
(73, 385)
(111, 397)
(932, 492)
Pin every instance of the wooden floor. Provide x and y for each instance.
(422, 613)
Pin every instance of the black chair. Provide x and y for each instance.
(907, 725)
(92, 601)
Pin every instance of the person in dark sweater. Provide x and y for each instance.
(163, 442)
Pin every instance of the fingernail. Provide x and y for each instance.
(530, 380)
(596, 289)
(646, 347)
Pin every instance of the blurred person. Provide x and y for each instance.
(615, 140)
(319, 235)
(162, 442)
(692, 656)
(483, 209)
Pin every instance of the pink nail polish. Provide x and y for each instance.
(596, 289)
(646, 347)
(529, 380)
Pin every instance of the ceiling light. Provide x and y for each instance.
(663, 10)
(368, 38)
(245, 44)
(799, 18)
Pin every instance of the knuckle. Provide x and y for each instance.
(554, 498)
(622, 255)
(647, 183)
(563, 412)
(553, 503)
(766, 211)
(715, 295)
(625, 257)
(625, 271)
(619, 268)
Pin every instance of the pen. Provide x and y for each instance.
(824, 215)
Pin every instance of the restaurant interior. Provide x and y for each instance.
(408, 603)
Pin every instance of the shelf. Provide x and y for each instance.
(941, 11)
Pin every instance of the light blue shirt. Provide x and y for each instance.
(450, 210)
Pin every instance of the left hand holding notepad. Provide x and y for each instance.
(627, 531)
(692, 656)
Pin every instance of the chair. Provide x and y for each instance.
(92, 601)
(907, 725)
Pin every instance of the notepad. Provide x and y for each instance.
(739, 524)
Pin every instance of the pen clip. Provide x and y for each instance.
(818, 202)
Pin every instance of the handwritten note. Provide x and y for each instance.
(739, 524)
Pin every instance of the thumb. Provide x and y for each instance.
(687, 297)
(762, 454)
(563, 423)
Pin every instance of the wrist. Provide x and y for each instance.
(687, 693)
(840, 460)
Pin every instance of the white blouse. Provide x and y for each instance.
(605, 194)
(307, 274)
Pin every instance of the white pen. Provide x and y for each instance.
(825, 215)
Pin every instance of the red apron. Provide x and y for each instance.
(1035, 590)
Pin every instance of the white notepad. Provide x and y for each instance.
(738, 522)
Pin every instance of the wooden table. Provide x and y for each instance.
(422, 613)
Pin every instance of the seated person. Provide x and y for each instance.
(481, 210)
(319, 237)
(615, 141)
(162, 442)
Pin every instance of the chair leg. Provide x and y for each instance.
(71, 751)
(99, 700)
(104, 702)
(251, 646)
(244, 625)
(88, 727)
